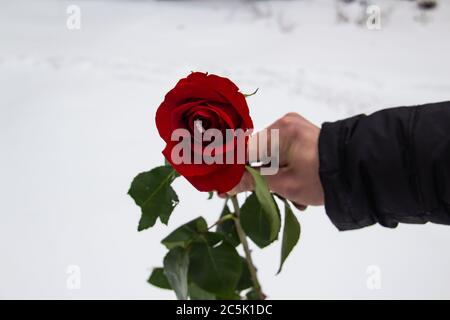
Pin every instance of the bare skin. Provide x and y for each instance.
(298, 177)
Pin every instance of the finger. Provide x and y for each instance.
(269, 143)
(275, 182)
(262, 146)
(300, 207)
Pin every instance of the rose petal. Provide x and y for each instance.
(189, 169)
(189, 91)
(216, 181)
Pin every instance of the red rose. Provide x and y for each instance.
(218, 104)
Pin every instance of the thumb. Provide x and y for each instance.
(247, 184)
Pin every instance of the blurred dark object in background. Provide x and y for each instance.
(422, 4)
(426, 4)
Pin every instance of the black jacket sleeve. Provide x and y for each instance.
(389, 167)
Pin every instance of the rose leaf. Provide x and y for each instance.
(228, 228)
(291, 233)
(152, 192)
(268, 204)
(185, 234)
(197, 293)
(255, 221)
(245, 281)
(215, 269)
(176, 265)
(159, 279)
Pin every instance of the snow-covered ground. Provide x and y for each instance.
(77, 123)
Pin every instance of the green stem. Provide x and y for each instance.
(248, 255)
(222, 220)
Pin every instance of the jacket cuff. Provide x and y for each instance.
(338, 204)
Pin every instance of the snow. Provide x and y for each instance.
(77, 124)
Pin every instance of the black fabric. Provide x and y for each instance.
(389, 167)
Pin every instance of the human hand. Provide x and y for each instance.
(298, 176)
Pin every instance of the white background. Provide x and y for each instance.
(77, 124)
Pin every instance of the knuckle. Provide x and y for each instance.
(292, 130)
(284, 121)
(290, 124)
(292, 115)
